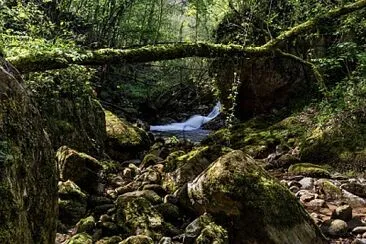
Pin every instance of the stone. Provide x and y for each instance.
(72, 203)
(130, 187)
(355, 188)
(28, 179)
(86, 225)
(237, 192)
(156, 188)
(315, 204)
(343, 212)
(189, 165)
(327, 189)
(359, 241)
(307, 183)
(81, 238)
(148, 194)
(150, 159)
(334, 227)
(138, 215)
(359, 230)
(79, 168)
(353, 200)
(307, 169)
(139, 239)
(110, 240)
(166, 240)
(124, 141)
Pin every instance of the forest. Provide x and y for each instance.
(182, 121)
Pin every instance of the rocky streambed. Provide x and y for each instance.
(181, 192)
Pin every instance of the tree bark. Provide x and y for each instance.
(47, 61)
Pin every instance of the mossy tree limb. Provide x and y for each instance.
(55, 60)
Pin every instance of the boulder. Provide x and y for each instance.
(28, 178)
(249, 203)
(188, 166)
(334, 227)
(81, 238)
(137, 216)
(124, 141)
(343, 212)
(72, 203)
(79, 168)
(307, 169)
(86, 225)
(205, 230)
(355, 188)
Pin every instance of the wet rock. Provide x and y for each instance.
(307, 183)
(110, 240)
(79, 168)
(139, 239)
(86, 225)
(355, 188)
(305, 196)
(124, 141)
(307, 169)
(72, 203)
(81, 238)
(334, 227)
(242, 197)
(343, 212)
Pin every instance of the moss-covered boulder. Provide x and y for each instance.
(249, 203)
(340, 142)
(72, 203)
(124, 141)
(205, 230)
(79, 168)
(260, 136)
(186, 167)
(81, 238)
(69, 108)
(28, 179)
(307, 169)
(136, 215)
(86, 225)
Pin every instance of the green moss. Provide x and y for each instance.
(81, 238)
(308, 169)
(86, 225)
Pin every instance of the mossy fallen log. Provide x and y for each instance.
(57, 59)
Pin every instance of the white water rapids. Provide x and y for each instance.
(193, 123)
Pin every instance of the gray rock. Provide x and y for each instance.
(316, 204)
(343, 212)
(307, 183)
(353, 200)
(355, 188)
(334, 227)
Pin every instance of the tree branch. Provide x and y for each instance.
(47, 61)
